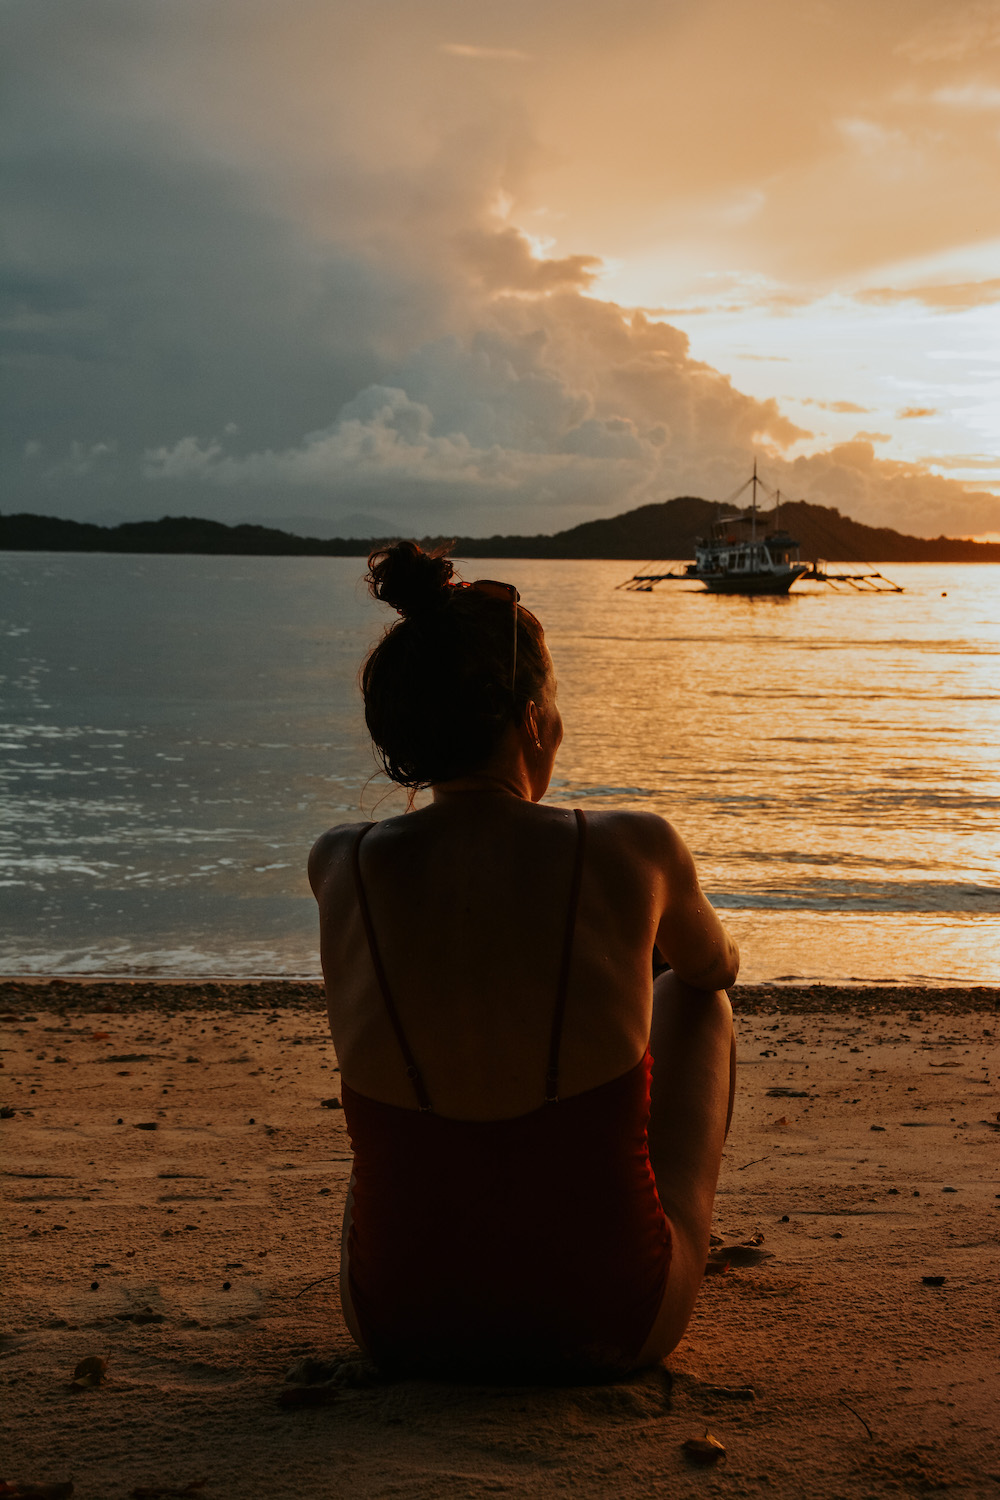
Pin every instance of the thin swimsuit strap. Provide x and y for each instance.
(552, 1071)
(412, 1070)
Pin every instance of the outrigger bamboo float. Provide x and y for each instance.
(735, 560)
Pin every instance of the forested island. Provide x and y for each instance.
(664, 531)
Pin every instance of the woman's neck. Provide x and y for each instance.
(486, 784)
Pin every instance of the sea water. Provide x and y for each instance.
(176, 731)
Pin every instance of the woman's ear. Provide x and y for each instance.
(531, 723)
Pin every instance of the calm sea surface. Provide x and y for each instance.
(177, 730)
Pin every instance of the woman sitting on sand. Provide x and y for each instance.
(529, 1192)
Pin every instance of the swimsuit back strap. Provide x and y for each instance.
(412, 1071)
(552, 1072)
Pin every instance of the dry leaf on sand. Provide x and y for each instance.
(704, 1450)
(88, 1373)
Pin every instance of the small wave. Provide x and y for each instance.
(870, 896)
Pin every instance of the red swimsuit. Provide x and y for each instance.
(534, 1244)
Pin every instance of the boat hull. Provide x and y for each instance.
(777, 582)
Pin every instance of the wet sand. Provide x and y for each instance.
(174, 1172)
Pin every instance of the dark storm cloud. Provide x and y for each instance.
(147, 289)
(185, 333)
(143, 297)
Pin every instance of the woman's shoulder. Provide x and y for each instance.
(637, 833)
(332, 850)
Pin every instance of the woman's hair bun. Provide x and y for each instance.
(411, 580)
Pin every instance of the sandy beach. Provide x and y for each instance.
(174, 1166)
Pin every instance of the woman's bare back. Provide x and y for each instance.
(468, 900)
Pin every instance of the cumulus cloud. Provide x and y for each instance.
(563, 403)
(886, 492)
(568, 407)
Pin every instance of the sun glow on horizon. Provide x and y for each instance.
(921, 381)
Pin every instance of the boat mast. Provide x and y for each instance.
(753, 519)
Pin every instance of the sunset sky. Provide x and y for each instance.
(394, 264)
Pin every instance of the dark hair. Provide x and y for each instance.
(437, 686)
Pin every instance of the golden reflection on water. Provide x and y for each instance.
(178, 730)
(822, 753)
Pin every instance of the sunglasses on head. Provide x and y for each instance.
(495, 590)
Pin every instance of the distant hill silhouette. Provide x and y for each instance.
(171, 534)
(665, 531)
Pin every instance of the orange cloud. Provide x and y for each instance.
(962, 461)
(952, 297)
(907, 412)
(886, 492)
(956, 32)
(968, 96)
(502, 260)
(850, 407)
(486, 54)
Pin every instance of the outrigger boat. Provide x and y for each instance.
(736, 560)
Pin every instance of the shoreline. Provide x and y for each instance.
(150, 993)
